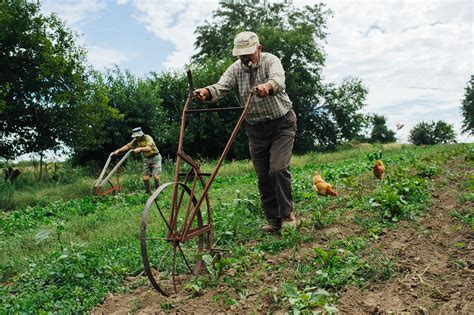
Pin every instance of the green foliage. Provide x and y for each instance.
(343, 104)
(432, 133)
(46, 96)
(374, 156)
(427, 171)
(470, 153)
(467, 108)
(311, 298)
(21, 220)
(42, 271)
(228, 217)
(75, 277)
(380, 132)
(464, 215)
(138, 104)
(399, 196)
(327, 114)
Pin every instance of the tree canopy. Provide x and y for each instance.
(467, 108)
(139, 104)
(380, 132)
(432, 133)
(327, 114)
(48, 96)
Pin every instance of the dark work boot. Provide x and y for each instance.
(147, 186)
(157, 183)
(274, 225)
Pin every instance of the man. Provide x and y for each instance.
(271, 123)
(152, 163)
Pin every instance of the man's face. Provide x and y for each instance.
(252, 57)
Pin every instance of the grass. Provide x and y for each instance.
(66, 255)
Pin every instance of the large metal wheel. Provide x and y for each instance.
(169, 262)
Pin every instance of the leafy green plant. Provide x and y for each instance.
(328, 258)
(464, 215)
(224, 298)
(310, 298)
(390, 204)
(319, 217)
(427, 171)
(293, 236)
(372, 157)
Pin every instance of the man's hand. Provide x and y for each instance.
(116, 152)
(262, 90)
(137, 150)
(202, 94)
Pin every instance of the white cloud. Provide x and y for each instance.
(175, 21)
(102, 57)
(77, 13)
(74, 12)
(415, 57)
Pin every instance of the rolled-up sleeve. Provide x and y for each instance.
(226, 83)
(276, 75)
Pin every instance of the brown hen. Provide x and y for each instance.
(379, 169)
(321, 187)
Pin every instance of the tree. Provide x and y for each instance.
(343, 104)
(380, 132)
(432, 133)
(467, 108)
(296, 36)
(206, 133)
(44, 82)
(443, 132)
(137, 104)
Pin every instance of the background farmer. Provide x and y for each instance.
(152, 163)
(271, 123)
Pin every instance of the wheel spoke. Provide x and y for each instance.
(161, 241)
(185, 260)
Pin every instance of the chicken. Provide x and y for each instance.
(321, 187)
(379, 169)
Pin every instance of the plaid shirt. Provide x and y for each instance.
(237, 78)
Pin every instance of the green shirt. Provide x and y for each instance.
(144, 141)
(237, 78)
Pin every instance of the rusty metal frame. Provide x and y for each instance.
(194, 176)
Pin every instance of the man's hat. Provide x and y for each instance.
(137, 132)
(245, 43)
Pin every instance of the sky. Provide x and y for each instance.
(415, 57)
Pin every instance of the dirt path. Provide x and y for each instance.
(435, 262)
(434, 270)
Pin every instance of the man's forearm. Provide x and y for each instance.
(125, 148)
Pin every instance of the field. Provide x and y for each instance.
(404, 243)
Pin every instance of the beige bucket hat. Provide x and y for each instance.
(245, 43)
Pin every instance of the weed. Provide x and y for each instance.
(293, 237)
(224, 298)
(464, 215)
(311, 298)
(427, 171)
(166, 306)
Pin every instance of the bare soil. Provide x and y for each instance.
(435, 262)
(434, 269)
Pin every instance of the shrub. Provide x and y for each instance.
(432, 133)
